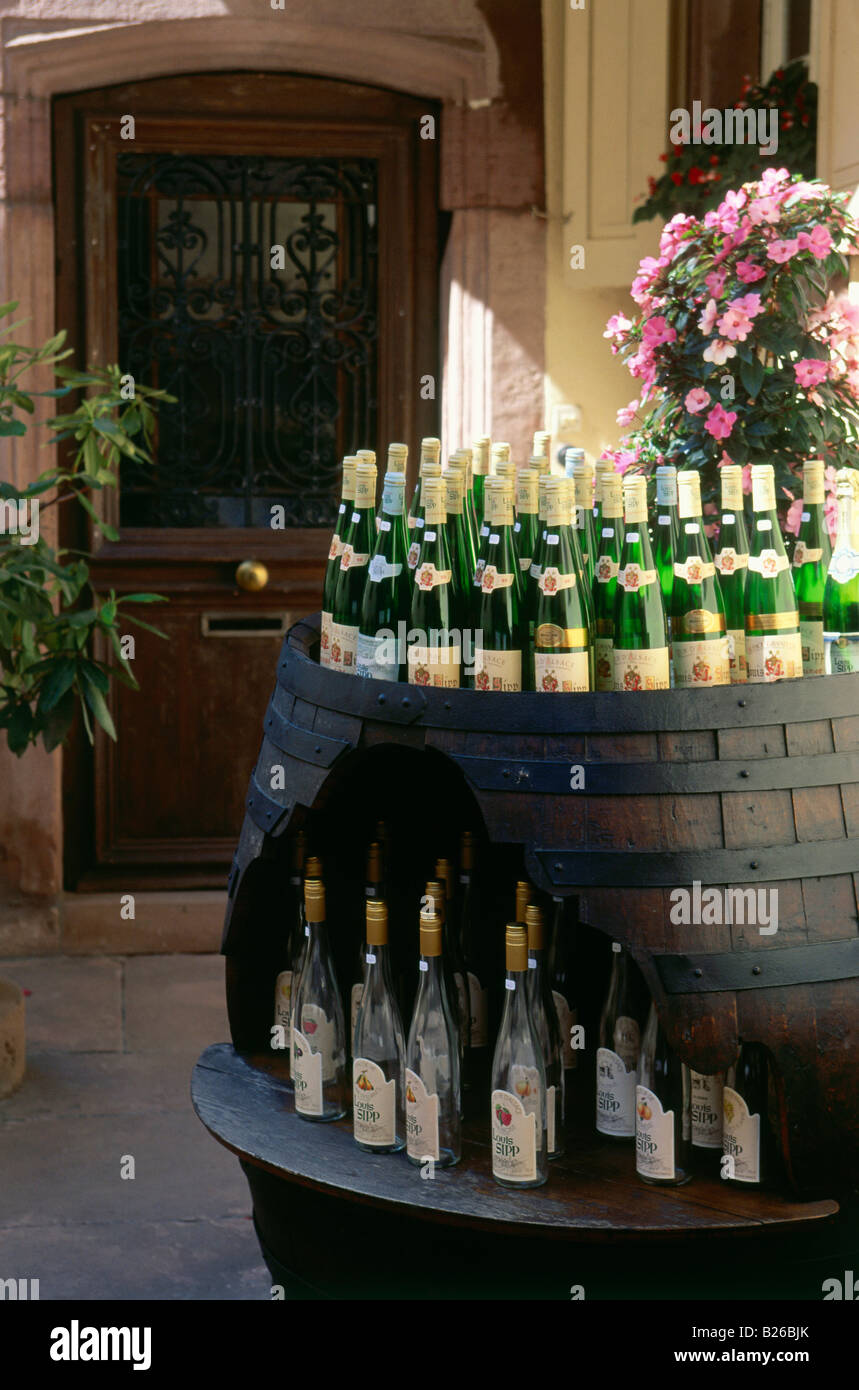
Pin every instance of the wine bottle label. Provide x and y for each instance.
(844, 564)
(355, 998)
(551, 1118)
(606, 569)
(806, 555)
(666, 488)
(698, 620)
(769, 563)
(552, 581)
(492, 579)
(369, 664)
(335, 548)
(351, 559)
(514, 1128)
(604, 663)
(732, 492)
(561, 672)
(566, 1024)
(813, 647)
(842, 653)
(374, 1110)
(654, 1136)
(428, 577)
(741, 1137)
(632, 577)
(497, 670)
(615, 1094)
(393, 501)
(694, 570)
(728, 560)
(773, 656)
(478, 573)
(645, 669)
(437, 666)
(343, 650)
(307, 1068)
(382, 568)
(283, 1001)
(525, 564)
(321, 1033)
(478, 998)
(737, 655)
(706, 1110)
(421, 1119)
(325, 640)
(702, 663)
(414, 554)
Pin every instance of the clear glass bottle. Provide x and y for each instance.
(343, 526)
(705, 1092)
(640, 654)
(619, 1048)
(732, 563)
(436, 892)
(292, 938)
(318, 1027)
(378, 1069)
(545, 1021)
(433, 1089)
(312, 871)
(373, 892)
(841, 594)
(773, 642)
(453, 945)
(810, 564)
(663, 1148)
(700, 652)
(518, 1105)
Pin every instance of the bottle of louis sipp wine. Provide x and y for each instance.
(354, 559)
(378, 1068)
(746, 1138)
(706, 1115)
(606, 566)
(312, 872)
(387, 591)
(436, 658)
(342, 526)
(562, 660)
(640, 649)
(476, 957)
(582, 474)
(292, 938)
(480, 471)
(773, 642)
(518, 1114)
(462, 557)
(460, 460)
(663, 1130)
(525, 528)
(811, 556)
(373, 892)
(618, 1050)
(453, 946)
(666, 529)
(501, 625)
(604, 468)
(436, 893)
(545, 1021)
(562, 980)
(699, 644)
(732, 560)
(433, 1090)
(429, 469)
(841, 595)
(430, 453)
(318, 1028)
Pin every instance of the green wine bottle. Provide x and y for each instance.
(582, 474)
(480, 468)
(429, 454)
(773, 642)
(501, 625)
(841, 594)
(387, 592)
(606, 566)
(541, 445)
(461, 459)
(604, 469)
(667, 531)
(335, 550)
(429, 469)
(462, 557)
(732, 563)
(562, 659)
(354, 560)
(699, 643)
(574, 534)
(811, 556)
(525, 527)
(640, 651)
(436, 657)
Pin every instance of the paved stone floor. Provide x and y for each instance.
(111, 1042)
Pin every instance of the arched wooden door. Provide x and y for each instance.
(263, 247)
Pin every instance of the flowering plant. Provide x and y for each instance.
(697, 175)
(743, 351)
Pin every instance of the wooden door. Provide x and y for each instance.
(264, 248)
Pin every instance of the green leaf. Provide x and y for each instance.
(751, 375)
(109, 531)
(138, 622)
(19, 728)
(96, 702)
(57, 723)
(57, 683)
(94, 677)
(16, 427)
(144, 598)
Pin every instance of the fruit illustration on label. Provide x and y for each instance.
(701, 671)
(644, 1111)
(332, 553)
(296, 1050)
(425, 577)
(335, 651)
(422, 675)
(729, 1109)
(726, 561)
(632, 680)
(773, 666)
(503, 1114)
(631, 577)
(414, 552)
(769, 563)
(523, 1088)
(309, 1027)
(489, 579)
(693, 572)
(410, 1095)
(549, 581)
(363, 1083)
(324, 639)
(346, 557)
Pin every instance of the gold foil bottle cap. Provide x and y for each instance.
(314, 900)
(536, 923)
(516, 947)
(377, 922)
(365, 456)
(435, 891)
(313, 866)
(350, 463)
(430, 933)
(541, 441)
(523, 898)
(444, 872)
(689, 493)
(466, 850)
(431, 446)
(499, 452)
(374, 863)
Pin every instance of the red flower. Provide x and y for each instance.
(663, 157)
(677, 179)
(714, 159)
(696, 175)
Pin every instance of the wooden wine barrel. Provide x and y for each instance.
(624, 799)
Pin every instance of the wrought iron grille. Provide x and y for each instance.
(273, 365)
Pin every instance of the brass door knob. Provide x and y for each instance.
(252, 576)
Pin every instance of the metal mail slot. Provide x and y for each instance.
(245, 624)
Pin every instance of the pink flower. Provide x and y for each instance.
(810, 371)
(618, 323)
(794, 517)
(715, 280)
(697, 399)
(734, 199)
(720, 422)
(747, 478)
(657, 331)
(719, 352)
(764, 210)
(772, 178)
(818, 242)
(749, 304)
(627, 413)
(749, 272)
(707, 321)
(736, 325)
(781, 250)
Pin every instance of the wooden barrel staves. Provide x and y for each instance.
(643, 805)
